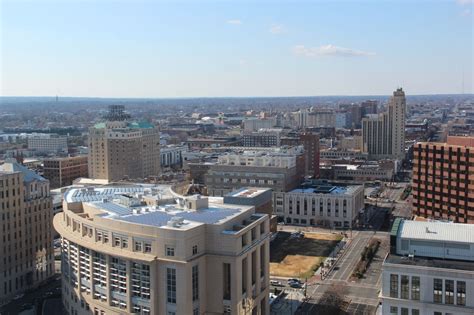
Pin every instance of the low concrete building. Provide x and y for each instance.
(280, 169)
(172, 155)
(262, 138)
(320, 205)
(361, 171)
(45, 143)
(430, 269)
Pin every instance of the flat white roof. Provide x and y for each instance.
(109, 200)
(437, 231)
(248, 192)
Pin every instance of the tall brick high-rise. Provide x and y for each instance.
(442, 180)
(310, 142)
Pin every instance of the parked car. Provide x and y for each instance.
(293, 280)
(18, 296)
(276, 283)
(296, 285)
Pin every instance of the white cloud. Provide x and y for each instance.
(328, 50)
(465, 2)
(277, 29)
(234, 22)
(242, 62)
(466, 12)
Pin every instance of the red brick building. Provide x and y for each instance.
(310, 142)
(63, 171)
(443, 180)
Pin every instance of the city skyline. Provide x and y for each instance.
(162, 50)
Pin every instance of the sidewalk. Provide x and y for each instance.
(287, 305)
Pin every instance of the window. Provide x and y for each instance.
(119, 241)
(394, 286)
(244, 240)
(404, 311)
(147, 247)
(404, 287)
(138, 246)
(460, 292)
(169, 250)
(171, 285)
(393, 310)
(438, 290)
(226, 277)
(437, 313)
(449, 292)
(195, 282)
(195, 249)
(415, 311)
(415, 288)
(196, 311)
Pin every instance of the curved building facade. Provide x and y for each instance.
(140, 249)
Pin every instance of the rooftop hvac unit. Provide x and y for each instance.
(175, 222)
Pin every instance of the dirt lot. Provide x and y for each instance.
(297, 257)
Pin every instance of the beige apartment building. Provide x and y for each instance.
(25, 230)
(120, 149)
(143, 249)
(383, 135)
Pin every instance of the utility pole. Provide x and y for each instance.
(305, 286)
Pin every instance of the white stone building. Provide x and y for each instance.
(45, 143)
(320, 205)
(430, 269)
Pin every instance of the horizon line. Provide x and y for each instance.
(211, 97)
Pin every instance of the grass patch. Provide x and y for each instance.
(300, 257)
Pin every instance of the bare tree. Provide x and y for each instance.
(333, 300)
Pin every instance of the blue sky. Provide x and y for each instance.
(235, 48)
